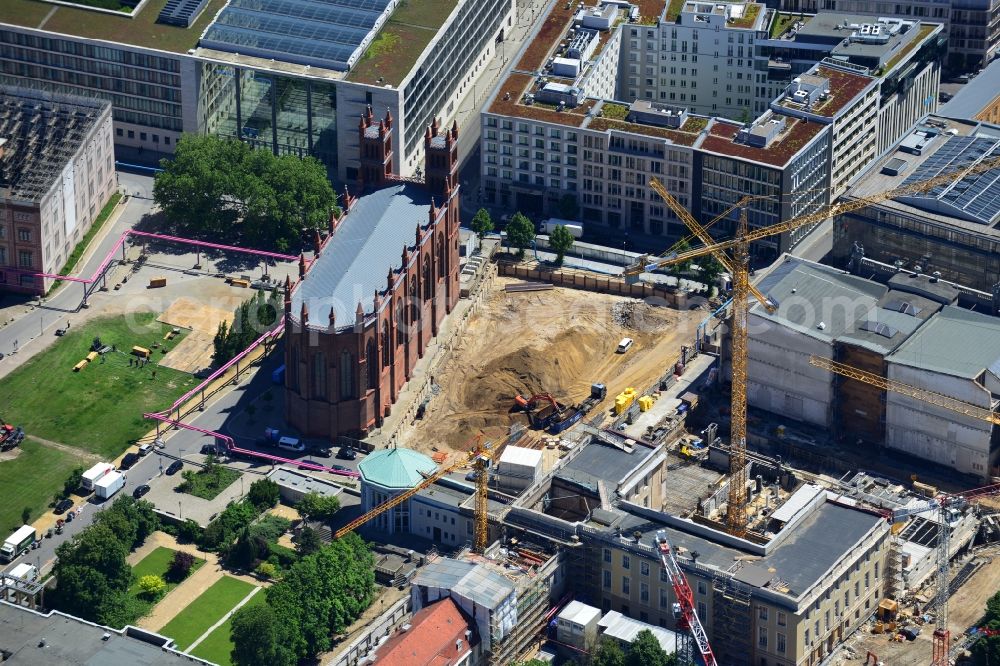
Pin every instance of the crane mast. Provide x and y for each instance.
(736, 508)
(684, 610)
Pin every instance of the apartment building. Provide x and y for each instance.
(237, 69)
(971, 26)
(550, 136)
(56, 174)
(700, 59)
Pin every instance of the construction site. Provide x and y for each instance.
(550, 340)
(761, 560)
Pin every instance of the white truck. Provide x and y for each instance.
(574, 228)
(23, 571)
(94, 473)
(109, 484)
(18, 542)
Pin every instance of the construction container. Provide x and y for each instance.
(157, 282)
(925, 489)
(80, 366)
(645, 403)
(518, 467)
(141, 352)
(92, 356)
(239, 282)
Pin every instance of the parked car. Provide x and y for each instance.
(145, 449)
(64, 505)
(303, 464)
(347, 453)
(340, 468)
(175, 467)
(129, 460)
(141, 490)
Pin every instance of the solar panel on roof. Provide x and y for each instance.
(181, 12)
(975, 197)
(324, 33)
(878, 328)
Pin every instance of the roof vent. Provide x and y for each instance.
(821, 326)
(106, 636)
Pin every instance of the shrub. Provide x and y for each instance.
(263, 494)
(189, 531)
(180, 566)
(285, 557)
(267, 570)
(152, 586)
(269, 528)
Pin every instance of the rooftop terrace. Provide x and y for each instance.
(844, 87)
(139, 30)
(796, 135)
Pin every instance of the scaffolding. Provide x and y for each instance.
(894, 569)
(732, 618)
(43, 133)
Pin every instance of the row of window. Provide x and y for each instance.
(25, 258)
(142, 136)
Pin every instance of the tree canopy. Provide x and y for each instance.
(482, 223)
(986, 650)
(320, 595)
(645, 650)
(520, 233)
(318, 507)
(609, 653)
(561, 240)
(221, 188)
(252, 318)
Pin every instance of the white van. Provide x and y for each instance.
(625, 345)
(291, 444)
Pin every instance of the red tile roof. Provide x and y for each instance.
(431, 639)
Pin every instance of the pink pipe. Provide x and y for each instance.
(231, 446)
(214, 246)
(236, 359)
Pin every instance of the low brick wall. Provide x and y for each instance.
(602, 284)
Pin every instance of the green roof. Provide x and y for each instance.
(395, 468)
(139, 30)
(955, 342)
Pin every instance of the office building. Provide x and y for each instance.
(56, 174)
(237, 69)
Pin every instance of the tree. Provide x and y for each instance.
(221, 188)
(219, 351)
(709, 270)
(986, 650)
(267, 570)
(482, 223)
(308, 542)
(180, 566)
(263, 494)
(520, 233)
(645, 650)
(569, 209)
(89, 570)
(609, 653)
(680, 247)
(122, 608)
(152, 586)
(140, 516)
(260, 638)
(318, 507)
(188, 532)
(560, 240)
(73, 482)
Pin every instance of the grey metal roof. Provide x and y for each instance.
(881, 330)
(476, 582)
(976, 95)
(357, 259)
(817, 300)
(599, 461)
(69, 640)
(796, 563)
(954, 342)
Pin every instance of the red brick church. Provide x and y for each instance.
(363, 312)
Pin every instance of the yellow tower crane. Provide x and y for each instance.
(480, 457)
(738, 267)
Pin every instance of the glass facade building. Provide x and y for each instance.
(284, 114)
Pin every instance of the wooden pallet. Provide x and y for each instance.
(527, 286)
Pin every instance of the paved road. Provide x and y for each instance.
(62, 306)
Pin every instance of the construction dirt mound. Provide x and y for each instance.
(558, 341)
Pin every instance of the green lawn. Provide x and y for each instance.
(157, 563)
(218, 645)
(140, 29)
(100, 407)
(206, 610)
(207, 483)
(31, 479)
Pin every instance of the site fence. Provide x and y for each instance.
(590, 282)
